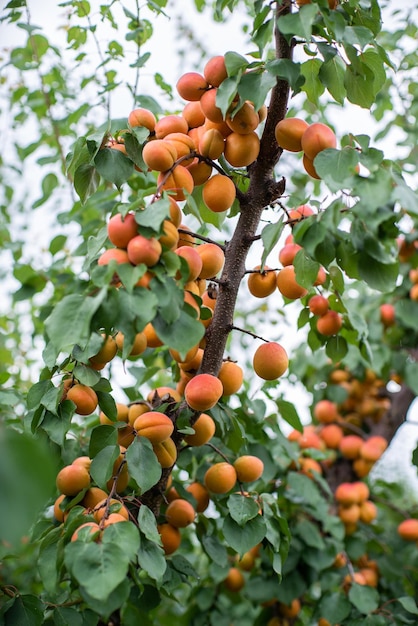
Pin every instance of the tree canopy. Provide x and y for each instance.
(208, 333)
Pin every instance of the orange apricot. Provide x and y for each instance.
(200, 494)
(245, 120)
(309, 166)
(329, 323)
(211, 144)
(213, 258)
(121, 230)
(180, 513)
(350, 446)
(193, 114)
(231, 376)
(142, 117)
(203, 391)
(165, 393)
(139, 345)
(326, 412)
(170, 537)
(204, 428)
(287, 284)
(183, 145)
(248, 468)
(346, 494)
(191, 86)
(137, 409)
(153, 341)
(93, 496)
(115, 506)
(270, 360)
(159, 155)
(318, 305)
(113, 254)
(289, 133)
(106, 353)
(209, 106)
(59, 514)
(179, 183)
(84, 397)
(317, 137)
(200, 171)
(218, 193)
(215, 70)
(332, 434)
(143, 250)
(193, 261)
(220, 477)
(288, 252)
(368, 512)
(170, 124)
(241, 150)
(234, 580)
(166, 453)
(93, 532)
(408, 529)
(262, 283)
(290, 610)
(154, 425)
(122, 411)
(72, 479)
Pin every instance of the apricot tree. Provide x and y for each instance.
(156, 469)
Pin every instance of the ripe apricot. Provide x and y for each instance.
(191, 86)
(166, 453)
(106, 353)
(318, 305)
(262, 283)
(72, 479)
(349, 514)
(346, 494)
(115, 506)
(270, 361)
(241, 150)
(193, 114)
(211, 144)
(178, 183)
(288, 252)
(290, 610)
(142, 117)
(408, 529)
(350, 446)
(200, 171)
(139, 345)
(289, 133)
(59, 514)
(231, 376)
(153, 341)
(209, 106)
(113, 518)
(368, 512)
(193, 260)
(317, 137)
(326, 412)
(113, 254)
(203, 391)
(373, 448)
(287, 284)
(180, 513)
(332, 434)
(170, 537)
(154, 425)
(170, 124)
(329, 323)
(87, 532)
(309, 166)
(248, 468)
(93, 496)
(220, 477)
(159, 155)
(135, 410)
(218, 193)
(301, 212)
(200, 494)
(85, 461)
(309, 467)
(143, 250)
(204, 428)
(213, 258)
(245, 120)
(122, 411)
(183, 145)
(215, 70)
(121, 230)
(234, 580)
(84, 397)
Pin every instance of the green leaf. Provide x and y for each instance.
(226, 93)
(153, 215)
(336, 348)
(125, 535)
(312, 86)
(113, 166)
(336, 167)
(298, 24)
(181, 335)
(270, 235)
(69, 322)
(306, 269)
(148, 524)
(243, 538)
(26, 610)
(331, 74)
(151, 558)
(377, 275)
(289, 414)
(101, 468)
(102, 436)
(24, 489)
(235, 63)
(310, 534)
(407, 312)
(286, 70)
(47, 560)
(107, 404)
(86, 181)
(215, 549)
(409, 604)
(335, 607)
(143, 465)
(67, 616)
(364, 598)
(411, 375)
(86, 375)
(102, 607)
(242, 508)
(98, 567)
(255, 87)
(359, 84)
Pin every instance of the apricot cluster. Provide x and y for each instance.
(354, 505)
(296, 135)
